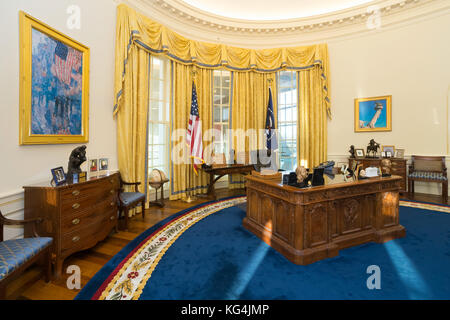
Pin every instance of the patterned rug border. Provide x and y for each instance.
(98, 284)
(425, 205)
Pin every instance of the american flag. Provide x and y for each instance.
(66, 59)
(194, 134)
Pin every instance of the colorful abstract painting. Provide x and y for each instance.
(56, 89)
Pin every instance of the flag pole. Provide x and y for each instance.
(189, 197)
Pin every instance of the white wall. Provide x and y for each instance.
(412, 64)
(22, 165)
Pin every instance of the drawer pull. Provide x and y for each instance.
(111, 181)
(112, 217)
(75, 205)
(76, 221)
(75, 192)
(76, 239)
(112, 204)
(112, 191)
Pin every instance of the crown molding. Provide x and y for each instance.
(199, 25)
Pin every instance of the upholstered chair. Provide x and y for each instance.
(17, 255)
(129, 200)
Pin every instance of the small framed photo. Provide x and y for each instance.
(400, 153)
(388, 154)
(58, 176)
(387, 149)
(82, 176)
(383, 154)
(93, 165)
(359, 153)
(74, 177)
(103, 163)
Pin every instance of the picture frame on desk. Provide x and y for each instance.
(359, 153)
(59, 177)
(400, 153)
(388, 149)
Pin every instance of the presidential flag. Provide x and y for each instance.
(194, 134)
(66, 59)
(271, 137)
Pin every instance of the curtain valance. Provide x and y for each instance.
(135, 28)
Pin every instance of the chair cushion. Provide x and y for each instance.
(14, 253)
(438, 176)
(128, 198)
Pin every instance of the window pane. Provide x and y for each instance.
(225, 112)
(287, 119)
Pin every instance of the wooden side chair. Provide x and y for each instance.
(428, 169)
(129, 200)
(18, 254)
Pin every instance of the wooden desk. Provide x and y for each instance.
(311, 224)
(222, 171)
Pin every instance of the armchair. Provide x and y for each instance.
(428, 169)
(129, 200)
(18, 254)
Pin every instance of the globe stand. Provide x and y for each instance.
(159, 202)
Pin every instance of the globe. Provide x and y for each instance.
(157, 178)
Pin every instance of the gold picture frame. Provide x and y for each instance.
(373, 114)
(54, 85)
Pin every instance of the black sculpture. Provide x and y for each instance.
(352, 151)
(372, 149)
(77, 157)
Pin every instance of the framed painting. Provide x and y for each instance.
(373, 114)
(54, 85)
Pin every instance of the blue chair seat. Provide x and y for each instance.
(130, 197)
(438, 176)
(14, 253)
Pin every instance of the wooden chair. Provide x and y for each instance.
(428, 169)
(129, 200)
(18, 254)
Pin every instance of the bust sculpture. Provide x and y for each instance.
(386, 165)
(302, 174)
(77, 157)
(352, 151)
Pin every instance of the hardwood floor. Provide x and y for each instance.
(32, 286)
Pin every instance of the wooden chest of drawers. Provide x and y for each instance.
(398, 168)
(77, 216)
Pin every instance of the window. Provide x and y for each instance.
(287, 119)
(221, 110)
(159, 115)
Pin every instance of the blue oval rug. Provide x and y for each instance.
(205, 253)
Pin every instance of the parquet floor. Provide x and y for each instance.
(32, 286)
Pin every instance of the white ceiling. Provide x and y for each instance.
(272, 9)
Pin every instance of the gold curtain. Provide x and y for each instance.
(136, 28)
(183, 177)
(132, 121)
(312, 116)
(248, 111)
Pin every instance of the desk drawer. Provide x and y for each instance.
(79, 220)
(89, 235)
